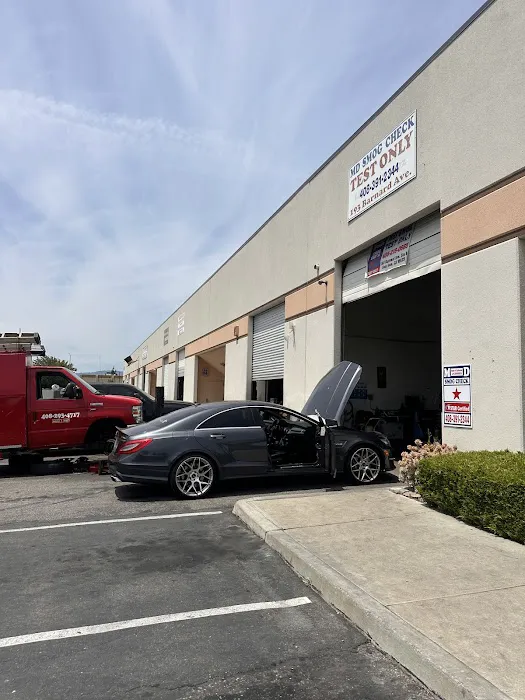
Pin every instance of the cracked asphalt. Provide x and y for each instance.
(92, 575)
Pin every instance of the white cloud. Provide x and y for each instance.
(95, 262)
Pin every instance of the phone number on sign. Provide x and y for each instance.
(457, 419)
(379, 180)
(57, 416)
(395, 251)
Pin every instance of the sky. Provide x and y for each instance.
(143, 141)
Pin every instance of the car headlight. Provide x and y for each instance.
(383, 439)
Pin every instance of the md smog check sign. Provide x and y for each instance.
(384, 169)
(457, 397)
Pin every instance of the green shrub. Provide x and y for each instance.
(484, 489)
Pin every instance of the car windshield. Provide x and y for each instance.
(85, 384)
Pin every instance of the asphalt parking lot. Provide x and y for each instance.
(123, 592)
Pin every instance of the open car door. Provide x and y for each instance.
(326, 448)
(327, 404)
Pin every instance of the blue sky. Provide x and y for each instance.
(142, 141)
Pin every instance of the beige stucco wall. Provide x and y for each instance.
(308, 354)
(482, 310)
(210, 384)
(221, 336)
(488, 217)
(190, 378)
(470, 107)
(236, 370)
(310, 297)
(169, 381)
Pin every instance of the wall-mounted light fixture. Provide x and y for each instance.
(323, 282)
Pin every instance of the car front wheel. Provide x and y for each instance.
(192, 477)
(363, 465)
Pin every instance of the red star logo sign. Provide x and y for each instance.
(457, 394)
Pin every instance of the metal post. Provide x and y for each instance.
(159, 400)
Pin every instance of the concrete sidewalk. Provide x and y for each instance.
(444, 599)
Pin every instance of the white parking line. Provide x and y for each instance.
(148, 621)
(114, 520)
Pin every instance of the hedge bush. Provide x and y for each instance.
(484, 489)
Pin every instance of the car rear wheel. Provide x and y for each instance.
(363, 465)
(193, 477)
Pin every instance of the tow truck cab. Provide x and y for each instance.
(43, 408)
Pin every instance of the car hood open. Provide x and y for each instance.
(333, 391)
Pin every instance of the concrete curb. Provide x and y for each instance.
(439, 670)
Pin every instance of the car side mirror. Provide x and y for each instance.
(78, 392)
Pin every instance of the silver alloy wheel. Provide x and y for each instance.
(194, 476)
(365, 465)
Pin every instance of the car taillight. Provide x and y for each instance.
(131, 446)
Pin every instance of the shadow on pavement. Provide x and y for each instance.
(142, 493)
(43, 469)
(247, 487)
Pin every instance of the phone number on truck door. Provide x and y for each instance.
(60, 416)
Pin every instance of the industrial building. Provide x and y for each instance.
(403, 252)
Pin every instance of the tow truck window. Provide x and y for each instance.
(50, 384)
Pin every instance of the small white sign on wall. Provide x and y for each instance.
(457, 396)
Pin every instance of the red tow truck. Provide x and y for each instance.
(45, 410)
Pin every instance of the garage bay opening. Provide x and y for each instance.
(395, 335)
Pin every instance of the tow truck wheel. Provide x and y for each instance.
(363, 465)
(102, 437)
(21, 463)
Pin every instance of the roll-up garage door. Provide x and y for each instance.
(268, 344)
(424, 256)
(181, 363)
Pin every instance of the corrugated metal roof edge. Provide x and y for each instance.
(356, 133)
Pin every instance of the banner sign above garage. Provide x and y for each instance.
(390, 253)
(384, 169)
(457, 407)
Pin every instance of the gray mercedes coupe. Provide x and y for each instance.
(194, 448)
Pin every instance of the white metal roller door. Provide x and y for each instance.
(181, 363)
(424, 256)
(268, 344)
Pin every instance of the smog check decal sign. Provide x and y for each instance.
(384, 169)
(457, 407)
(390, 253)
